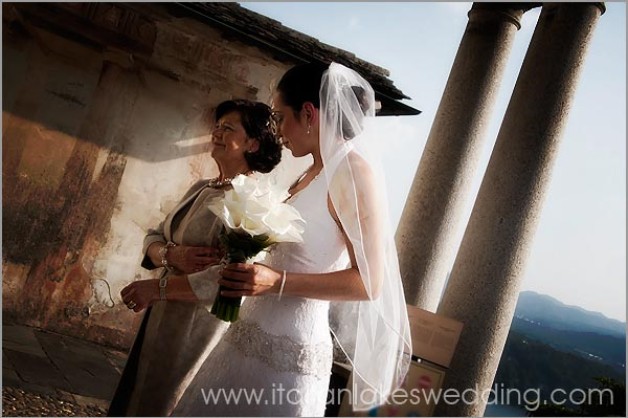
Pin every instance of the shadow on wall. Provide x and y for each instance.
(98, 144)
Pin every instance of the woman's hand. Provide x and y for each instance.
(249, 280)
(188, 259)
(141, 294)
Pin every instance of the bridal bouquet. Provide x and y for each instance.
(254, 217)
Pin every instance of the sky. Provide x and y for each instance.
(578, 254)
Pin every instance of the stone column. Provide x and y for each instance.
(431, 214)
(484, 285)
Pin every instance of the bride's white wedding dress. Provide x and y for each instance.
(276, 359)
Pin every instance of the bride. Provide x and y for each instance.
(344, 277)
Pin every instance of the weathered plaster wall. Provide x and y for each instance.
(98, 145)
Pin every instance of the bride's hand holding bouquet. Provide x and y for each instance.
(255, 216)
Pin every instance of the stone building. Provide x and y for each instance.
(106, 116)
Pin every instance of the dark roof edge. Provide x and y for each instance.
(385, 90)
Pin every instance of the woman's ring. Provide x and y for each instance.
(131, 304)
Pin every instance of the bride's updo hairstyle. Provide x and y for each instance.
(302, 83)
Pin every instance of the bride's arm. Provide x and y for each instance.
(258, 279)
(354, 204)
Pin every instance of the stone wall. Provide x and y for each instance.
(99, 143)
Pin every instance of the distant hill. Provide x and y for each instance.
(552, 313)
(607, 349)
(571, 329)
(529, 364)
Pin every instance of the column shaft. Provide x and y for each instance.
(453, 148)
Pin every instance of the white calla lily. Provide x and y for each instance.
(256, 206)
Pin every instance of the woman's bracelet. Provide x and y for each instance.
(283, 283)
(163, 253)
(163, 282)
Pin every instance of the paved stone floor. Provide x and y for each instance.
(48, 374)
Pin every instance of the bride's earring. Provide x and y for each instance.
(309, 126)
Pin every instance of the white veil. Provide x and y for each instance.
(373, 334)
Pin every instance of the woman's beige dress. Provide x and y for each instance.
(174, 338)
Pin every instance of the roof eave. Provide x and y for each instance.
(390, 106)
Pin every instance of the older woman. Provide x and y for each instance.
(175, 337)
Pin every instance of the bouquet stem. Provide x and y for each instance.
(228, 308)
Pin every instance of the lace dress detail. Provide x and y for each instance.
(278, 343)
(280, 352)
